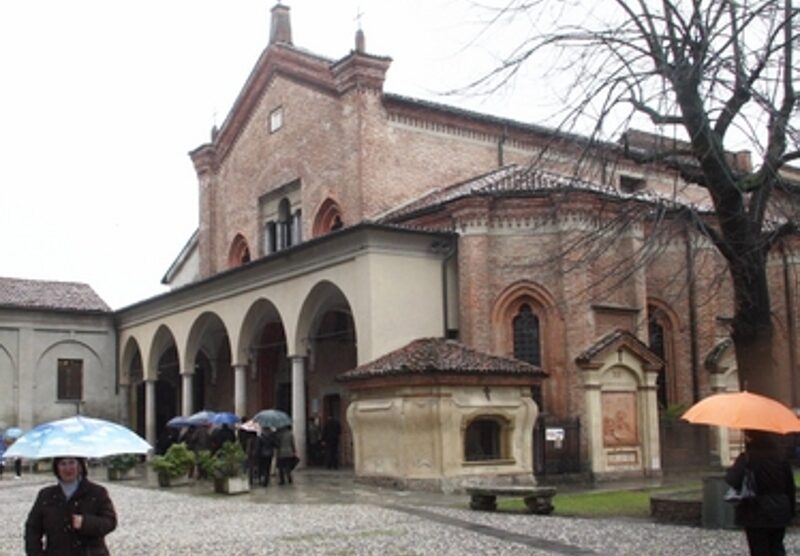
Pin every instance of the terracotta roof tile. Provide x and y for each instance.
(440, 356)
(515, 180)
(42, 294)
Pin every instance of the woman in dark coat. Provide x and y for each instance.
(72, 517)
(766, 516)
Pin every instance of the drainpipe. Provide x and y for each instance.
(791, 326)
(691, 288)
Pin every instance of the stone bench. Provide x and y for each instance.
(538, 500)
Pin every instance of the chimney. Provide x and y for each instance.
(281, 26)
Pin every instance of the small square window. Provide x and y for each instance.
(70, 379)
(631, 184)
(276, 120)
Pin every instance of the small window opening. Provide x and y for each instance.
(483, 440)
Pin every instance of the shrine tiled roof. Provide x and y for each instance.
(49, 295)
(440, 356)
(617, 337)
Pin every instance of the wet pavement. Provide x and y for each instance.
(328, 513)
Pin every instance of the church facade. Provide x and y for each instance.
(339, 223)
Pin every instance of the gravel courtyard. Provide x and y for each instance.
(315, 516)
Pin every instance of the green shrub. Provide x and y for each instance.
(176, 462)
(228, 460)
(205, 464)
(122, 462)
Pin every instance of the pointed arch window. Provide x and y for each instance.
(239, 253)
(526, 336)
(329, 218)
(659, 331)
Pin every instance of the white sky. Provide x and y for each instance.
(101, 100)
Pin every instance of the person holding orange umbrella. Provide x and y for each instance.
(765, 459)
(766, 516)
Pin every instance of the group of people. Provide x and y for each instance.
(271, 443)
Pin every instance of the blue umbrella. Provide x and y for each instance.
(272, 418)
(78, 436)
(225, 418)
(12, 433)
(201, 417)
(178, 422)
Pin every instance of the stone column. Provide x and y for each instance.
(299, 405)
(239, 389)
(150, 411)
(125, 405)
(187, 384)
(594, 425)
(651, 446)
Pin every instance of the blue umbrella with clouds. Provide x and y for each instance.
(12, 433)
(77, 436)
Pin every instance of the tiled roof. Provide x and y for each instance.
(42, 294)
(513, 179)
(440, 356)
(618, 336)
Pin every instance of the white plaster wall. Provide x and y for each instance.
(31, 342)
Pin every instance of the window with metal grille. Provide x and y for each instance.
(526, 336)
(70, 379)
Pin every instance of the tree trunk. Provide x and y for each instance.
(753, 331)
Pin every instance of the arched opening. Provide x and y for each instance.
(168, 388)
(208, 349)
(329, 218)
(526, 336)
(486, 439)
(262, 342)
(239, 252)
(330, 339)
(660, 342)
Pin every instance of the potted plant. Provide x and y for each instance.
(227, 469)
(204, 463)
(119, 466)
(174, 466)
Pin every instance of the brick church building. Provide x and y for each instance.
(440, 280)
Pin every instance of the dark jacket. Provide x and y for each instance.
(774, 504)
(267, 442)
(48, 529)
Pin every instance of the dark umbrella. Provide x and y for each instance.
(272, 418)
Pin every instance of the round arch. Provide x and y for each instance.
(162, 340)
(262, 343)
(130, 352)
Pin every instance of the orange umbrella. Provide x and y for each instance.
(743, 410)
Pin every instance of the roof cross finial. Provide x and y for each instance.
(359, 15)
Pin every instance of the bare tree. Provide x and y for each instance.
(713, 76)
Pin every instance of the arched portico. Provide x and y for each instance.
(304, 308)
